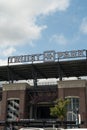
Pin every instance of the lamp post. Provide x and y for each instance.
(78, 118)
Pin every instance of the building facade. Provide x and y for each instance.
(22, 101)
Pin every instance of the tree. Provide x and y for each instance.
(60, 109)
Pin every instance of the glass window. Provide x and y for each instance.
(12, 109)
(72, 108)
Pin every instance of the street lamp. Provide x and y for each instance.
(78, 118)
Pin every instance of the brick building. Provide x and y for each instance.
(22, 101)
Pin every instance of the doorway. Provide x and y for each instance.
(43, 112)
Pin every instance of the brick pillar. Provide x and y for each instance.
(22, 104)
(4, 105)
(60, 90)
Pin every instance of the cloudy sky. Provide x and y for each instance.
(35, 26)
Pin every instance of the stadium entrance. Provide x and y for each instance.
(41, 99)
(43, 112)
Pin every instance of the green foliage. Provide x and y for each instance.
(60, 108)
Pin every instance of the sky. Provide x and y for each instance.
(33, 26)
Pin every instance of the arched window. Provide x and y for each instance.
(12, 108)
(72, 108)
(12, 111)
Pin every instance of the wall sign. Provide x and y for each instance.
(47, 56)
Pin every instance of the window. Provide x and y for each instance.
(12, 109)
(72, 108)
